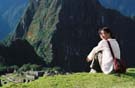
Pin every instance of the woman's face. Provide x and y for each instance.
(104, 35)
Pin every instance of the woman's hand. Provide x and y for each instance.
(87, 59)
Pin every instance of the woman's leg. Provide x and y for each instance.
(95, 64)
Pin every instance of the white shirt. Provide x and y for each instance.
(107, 60)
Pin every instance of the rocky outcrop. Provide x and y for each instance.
(19, 52)
(63, 32)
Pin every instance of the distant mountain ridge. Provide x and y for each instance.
(10, 13)
(126, 7)
(12, 10)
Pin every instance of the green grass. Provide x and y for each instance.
(82, 80)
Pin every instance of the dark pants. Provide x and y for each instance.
(95, 64)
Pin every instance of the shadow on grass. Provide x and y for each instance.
(131, 72)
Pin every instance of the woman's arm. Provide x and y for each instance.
(96, 49)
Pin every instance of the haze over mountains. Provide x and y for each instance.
(10, 13)
(126, 7)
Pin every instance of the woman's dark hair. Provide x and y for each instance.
(105, 29)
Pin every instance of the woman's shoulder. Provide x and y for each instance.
(112, 40)
(103, 41)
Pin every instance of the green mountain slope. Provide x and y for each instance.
(42, 27)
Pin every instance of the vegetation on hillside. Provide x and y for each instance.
(42, 28)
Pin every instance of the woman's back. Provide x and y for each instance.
(115, 47)
(107, 59)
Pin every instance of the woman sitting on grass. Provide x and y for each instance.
(100, 56)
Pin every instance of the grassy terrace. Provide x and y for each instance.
(81, 80)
